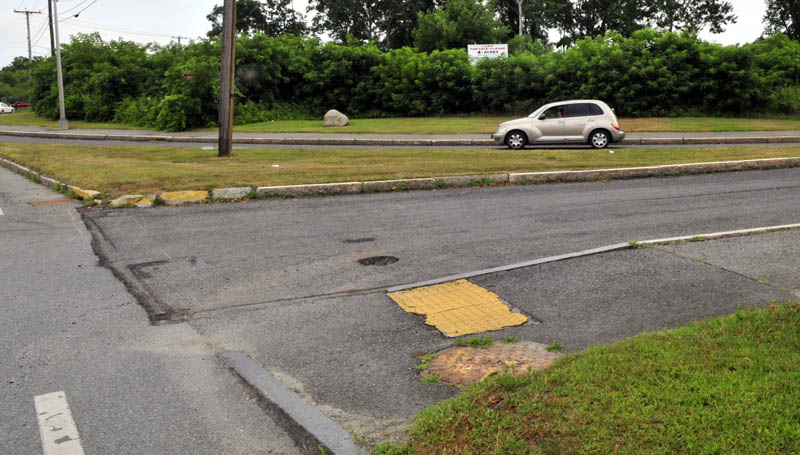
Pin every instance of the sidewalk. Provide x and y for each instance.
(733, 137)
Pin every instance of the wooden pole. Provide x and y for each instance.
(227, 71)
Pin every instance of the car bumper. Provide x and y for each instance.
(498, 138)
(617, 136)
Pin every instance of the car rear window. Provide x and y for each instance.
(595, 109)
(577, 110)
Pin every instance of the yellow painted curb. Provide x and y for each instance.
(86, 195)
(182, 197)
(458, 308)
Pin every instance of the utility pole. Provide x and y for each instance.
(227, 71)
(63, 124)
(179, 38)
(28, 21)
(50, 21)
(519, 4)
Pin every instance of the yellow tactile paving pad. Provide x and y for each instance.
(458, 308)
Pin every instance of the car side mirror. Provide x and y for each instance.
(542, 117)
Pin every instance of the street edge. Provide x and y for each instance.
(384, 141)
(311, 430)
(599, 250)
(430, 183)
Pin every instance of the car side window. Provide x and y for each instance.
(554, 112)
(577, 110)
(595, 109)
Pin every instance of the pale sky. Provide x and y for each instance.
(150, 20)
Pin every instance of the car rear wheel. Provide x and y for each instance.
(516, 140)
(599, 139)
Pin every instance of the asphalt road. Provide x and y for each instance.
(66, 324)
(35, 140)
(280, 279)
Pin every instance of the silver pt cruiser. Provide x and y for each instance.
(576, 121)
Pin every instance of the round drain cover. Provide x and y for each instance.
(378, 260)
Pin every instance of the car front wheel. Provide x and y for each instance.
(516, 140)
(599, 139)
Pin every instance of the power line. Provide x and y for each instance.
(118, 30)
(79, 12)
(64, 13)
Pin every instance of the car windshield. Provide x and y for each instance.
(536, 113)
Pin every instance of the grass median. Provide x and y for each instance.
(118, 170)
(729, 385)
(467, 124)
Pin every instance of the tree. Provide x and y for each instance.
(457, 24)
(343, 18)
(591, 18)
(679, 15)
(783, 16)
(272, 17)
(537, 16)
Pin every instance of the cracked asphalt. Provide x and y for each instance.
(280, 279)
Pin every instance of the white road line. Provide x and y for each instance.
(1, 212)
(58, 430)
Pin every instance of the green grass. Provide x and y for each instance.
(26, 117)
(475, 342)
(118, 170)
(728, 385)
(465, 124)
(487, 125)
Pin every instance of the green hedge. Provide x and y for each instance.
(652, 73)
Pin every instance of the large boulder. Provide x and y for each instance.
(335, 118)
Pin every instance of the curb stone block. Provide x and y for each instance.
(183, 197)
(662, 140)
(333, 141)
(86, 195)
(305, 190)
(783, 139)
(405, 184)
(411, 142)
(133, 199)
(630, 141)
(118, 137)
(374, 142)
(52, 183)
(742, 140)
(484, 142)
(448, 142)
(231, 193)
(467, 180)
(703, 140)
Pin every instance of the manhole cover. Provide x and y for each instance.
(465, 365)
(49, 203)
(378, 260)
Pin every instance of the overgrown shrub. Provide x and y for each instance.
(651, 73)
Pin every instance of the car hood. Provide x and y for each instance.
(516, 121)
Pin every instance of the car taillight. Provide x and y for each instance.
(616, 127)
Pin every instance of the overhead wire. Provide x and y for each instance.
(79, 12)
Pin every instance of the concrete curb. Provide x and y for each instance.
(55, 185)
(653, 171)
(341, 188)
(383, 142)
(312, 431)
(593, 251)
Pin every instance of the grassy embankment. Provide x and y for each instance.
(725, 386)
(117, 170)
(444, 125)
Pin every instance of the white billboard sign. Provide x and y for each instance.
(480, 51)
